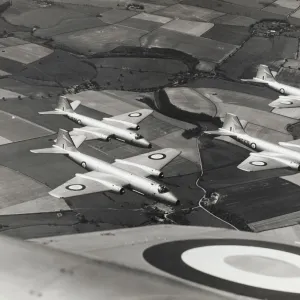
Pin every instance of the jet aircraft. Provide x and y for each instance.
(117, 127)
(264, 75)
(272, 156)
(130, 173)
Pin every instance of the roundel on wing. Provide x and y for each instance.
(223, 264)
(75, 187)
(285, 102)
(157, 156)
(134, 115)
(258, 163)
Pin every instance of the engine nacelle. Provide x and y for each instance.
(154, 172)
(148, 170)
(128, 124)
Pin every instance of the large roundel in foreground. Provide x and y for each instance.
(247, 267)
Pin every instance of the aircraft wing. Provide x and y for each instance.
(126, 120)
(286, 102)
(88, 183)
(91, 133)
(263, 161)
(151, 160)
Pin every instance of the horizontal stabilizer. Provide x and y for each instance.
(91, 133)
(49, 150)
(78, 140)
(52, 112)
(75, 104)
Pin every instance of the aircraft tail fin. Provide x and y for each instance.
(231, 126)
(63, 143)
(63, 107)
(264, 73)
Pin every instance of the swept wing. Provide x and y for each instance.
(91, 182)
(146, 164)
(266, 161)
(286, 102)
(126, 120)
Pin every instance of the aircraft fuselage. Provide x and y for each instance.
(135, 182)
(118, 133)
(261, 145)
(280, 87)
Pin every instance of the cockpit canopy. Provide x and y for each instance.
(162, 189)
(138, 136)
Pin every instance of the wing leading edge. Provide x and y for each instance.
(147, 163)
(128, 119)
(88, 183)
(266, 161)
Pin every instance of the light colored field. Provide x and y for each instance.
(103, 102)
(293, 113)
(235, 20)
(9, 94)
(296, 14)
(153, 18)
(41, 205)
(202, 48)
(116, 15)
(292, 4)
(16, 129)
(101, 39)
(233, 97)
(293, 179)
(189, 100)
(12, 41)
(148, 7)
(16, 188)
(43, 17)
(188, 27)
(188, 12)
(3, 73)
(4, 141)
(176, 140)
(26, 53)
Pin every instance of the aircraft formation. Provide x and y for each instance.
(291, 94)
(130, 173)
(268, 155)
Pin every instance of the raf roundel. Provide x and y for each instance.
(157, 156)
(75, 187)
(223, 264)
(287, 102)
(253, 145)
(134, 115)
(258, 163)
